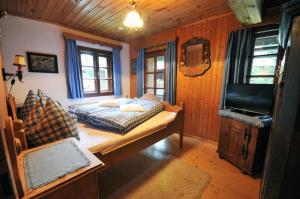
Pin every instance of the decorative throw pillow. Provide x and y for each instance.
(29, 103)
(54, 124)
(33, 116)
(42, 96)
(132, 108)
(149, 96)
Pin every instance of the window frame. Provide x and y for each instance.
(263, 31)
(154, 54)
(96, 53)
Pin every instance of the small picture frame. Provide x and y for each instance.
(42, 63)
(133, 66)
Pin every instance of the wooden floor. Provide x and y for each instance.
(227, 180)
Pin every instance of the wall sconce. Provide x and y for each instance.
(19, 61)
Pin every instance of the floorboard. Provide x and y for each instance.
(227, 180)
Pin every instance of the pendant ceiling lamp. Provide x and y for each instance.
(133, 18)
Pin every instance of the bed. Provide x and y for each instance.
(113, 147)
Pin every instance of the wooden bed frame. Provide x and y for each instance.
(114, 156)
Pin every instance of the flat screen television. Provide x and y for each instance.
(258, 98)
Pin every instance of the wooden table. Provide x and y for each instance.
(81, 184)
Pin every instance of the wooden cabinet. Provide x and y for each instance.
(243, 145)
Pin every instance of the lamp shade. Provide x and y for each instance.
(133, 20)
(19, 60)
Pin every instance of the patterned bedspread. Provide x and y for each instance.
(112, 119)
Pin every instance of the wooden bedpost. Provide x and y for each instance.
(182, 128)
(179, 109)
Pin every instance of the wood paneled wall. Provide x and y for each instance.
(201, 95)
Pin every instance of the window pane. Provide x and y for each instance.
(150, 64)
(265, 51)
(264, 61)
(267, 41)
(149, 90)
(86, 59)
(105, 73)
(106, 85)
(160, 93)
(261, 80)
(263, 65)
(160, 83)
(102, 62)
(89, 86)
(150, 80)
(88, 72)
(160, 63)
(263, 70)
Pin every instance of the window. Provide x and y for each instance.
(264, 57)
(97, 72)
(155, 66)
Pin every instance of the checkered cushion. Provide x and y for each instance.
(29, 103)
(42, 96)
(54, 124)
(33, 116)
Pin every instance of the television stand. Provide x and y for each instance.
(243, 141)
(245, 112)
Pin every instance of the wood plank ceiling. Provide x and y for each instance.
(104, 17)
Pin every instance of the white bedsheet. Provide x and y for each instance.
(97, 140)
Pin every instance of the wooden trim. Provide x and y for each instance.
(160, 46)
(90, 40)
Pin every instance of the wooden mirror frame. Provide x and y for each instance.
(193, 71)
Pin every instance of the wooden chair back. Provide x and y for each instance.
(17, 124)
(13, 107)
(12, 149)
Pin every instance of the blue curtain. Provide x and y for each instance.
(74, 81)
(140, 72)
(236, 60)
(171, 72)
(117, 72)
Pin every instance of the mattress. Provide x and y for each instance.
(102, 141)
(113, 119)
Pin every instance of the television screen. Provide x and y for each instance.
(250, 97)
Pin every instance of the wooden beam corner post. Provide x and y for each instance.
(248, 12)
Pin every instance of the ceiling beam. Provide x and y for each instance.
(248, 12)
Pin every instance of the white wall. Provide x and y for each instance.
(19, 35)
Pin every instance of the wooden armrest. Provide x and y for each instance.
(22, 137)
(18, 145)
(18, 125)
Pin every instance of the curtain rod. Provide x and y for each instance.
(90, 40)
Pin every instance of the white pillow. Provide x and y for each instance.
(109, 103)
(152, 97)
(132, 108)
